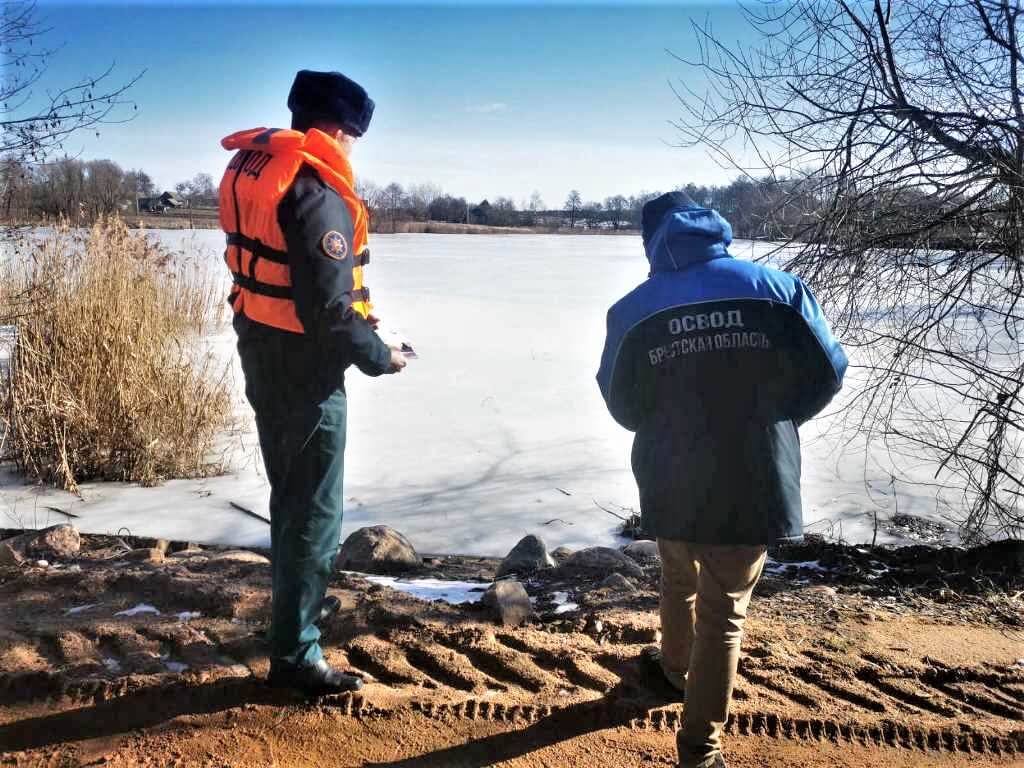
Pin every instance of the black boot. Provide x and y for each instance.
(315, 679)
(650, 662)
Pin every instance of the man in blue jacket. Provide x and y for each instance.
(714, 363)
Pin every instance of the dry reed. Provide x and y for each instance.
(107, 379)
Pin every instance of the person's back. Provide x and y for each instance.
(714, 363)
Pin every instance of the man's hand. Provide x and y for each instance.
(398, 361)
(373, 320)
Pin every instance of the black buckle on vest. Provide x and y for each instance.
(361, 259)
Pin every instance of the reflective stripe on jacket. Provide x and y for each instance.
(264, 166)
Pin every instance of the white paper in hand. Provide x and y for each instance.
(396, 340)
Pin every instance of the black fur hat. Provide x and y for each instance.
(330, 96)
(654, 210)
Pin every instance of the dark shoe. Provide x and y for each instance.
(328, 608)
(650, 661)
(712, 762)
(315, 679)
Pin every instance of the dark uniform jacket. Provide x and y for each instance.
(714, 363)
(335, 336)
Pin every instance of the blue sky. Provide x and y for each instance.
(482, 100)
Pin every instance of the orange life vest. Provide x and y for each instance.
(265, 164)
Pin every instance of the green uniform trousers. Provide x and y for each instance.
(301, 418)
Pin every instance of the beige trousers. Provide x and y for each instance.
(705, 592)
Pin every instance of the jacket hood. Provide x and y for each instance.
(687, 235)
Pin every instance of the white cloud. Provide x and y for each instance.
(496, 106)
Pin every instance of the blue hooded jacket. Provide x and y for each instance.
(714, 363)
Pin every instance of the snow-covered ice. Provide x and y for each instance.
(497, 430)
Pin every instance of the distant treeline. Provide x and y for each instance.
(756, 209)
(82, 191)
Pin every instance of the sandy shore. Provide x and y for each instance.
(852, 658)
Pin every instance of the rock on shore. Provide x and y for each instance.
(55, 543)
(528, 556)
(595, 561)
(377, 549)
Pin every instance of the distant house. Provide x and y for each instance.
(480, 214)
(160, 204)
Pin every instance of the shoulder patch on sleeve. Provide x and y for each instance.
(334, 245)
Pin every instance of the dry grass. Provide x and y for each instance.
(105, 380)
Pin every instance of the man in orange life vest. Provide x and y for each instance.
(296, 248)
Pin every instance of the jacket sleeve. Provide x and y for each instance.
(820, 359)
(615, 377)
(318, 231)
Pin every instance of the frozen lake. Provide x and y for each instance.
(495, 431)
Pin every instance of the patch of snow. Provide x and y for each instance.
(563, 604)
(877, 569)
(112, 665)
(81, 608)
(188, 615)
(7, 336)
(175, 666)
(138, 610)
(775, 566)
(452, 592)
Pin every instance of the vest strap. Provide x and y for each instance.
(361, 259)
(257, 248)
(263, 289)
(283, 291)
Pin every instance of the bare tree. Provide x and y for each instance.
(138, 184)
(34, 125)
(370, 193)
(62, 188)
(104, 187)
(615, 206)
(393, 198)
(420, 197)
(903, 125)
(504, 213)
(573, 203)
